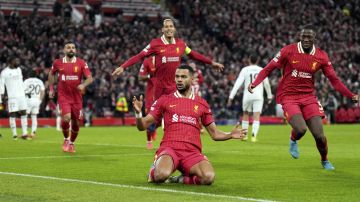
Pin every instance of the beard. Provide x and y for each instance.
(70, 54)
(182, 88)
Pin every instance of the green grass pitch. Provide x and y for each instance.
(111, 164)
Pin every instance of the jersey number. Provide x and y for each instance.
(34, 89)
(253, 77)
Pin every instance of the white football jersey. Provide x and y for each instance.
(34, 86)
(12, 79)
(247, 75)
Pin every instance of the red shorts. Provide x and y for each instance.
(74, 108)
(307, 106)
(183, 159)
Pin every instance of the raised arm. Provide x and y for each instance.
(142, 123)
(199, 57)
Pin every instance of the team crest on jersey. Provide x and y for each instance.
(314, 65)
(196, 108)
(177, 49)
(76, 69)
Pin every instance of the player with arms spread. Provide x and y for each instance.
(70, 70)
(168, 51)
(180, 148)
(296, 91)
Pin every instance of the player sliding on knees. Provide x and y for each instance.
(180, 148)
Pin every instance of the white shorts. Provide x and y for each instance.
(252, 105)
(17, 104)
(33, 106)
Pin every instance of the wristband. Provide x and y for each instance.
(138, 115)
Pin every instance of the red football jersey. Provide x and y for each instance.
(298, 69)
(167, 59)
(148, 68)
(69, 77)
(182, 117)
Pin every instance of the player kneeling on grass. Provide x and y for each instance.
(180, 148)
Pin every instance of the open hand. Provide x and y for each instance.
(237, 133)
(137, 104)
(117, 72)
(219, 67)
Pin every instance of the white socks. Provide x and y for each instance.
(58, 122)
(24, 124)
(34, 123)
(255, 128)
(244, 124)
(12, 121)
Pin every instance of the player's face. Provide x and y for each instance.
(183, 79)
(307, 38)
(15, 62)
(168, 29)
(70, 50)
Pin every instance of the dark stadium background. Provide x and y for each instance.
(227, 31)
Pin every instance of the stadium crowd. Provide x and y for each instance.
(227, 31)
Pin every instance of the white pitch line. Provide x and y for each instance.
(136, 187)
(73, 156)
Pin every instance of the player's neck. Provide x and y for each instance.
(169, 39)
(69, 59)
(186, 94)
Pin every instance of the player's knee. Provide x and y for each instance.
(66, 118)
(160, 175)
(300, 131)
(207, 178)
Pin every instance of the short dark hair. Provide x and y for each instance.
(69, 42)
(253, 58)
(184, 66)
(308, 27)
(11, 58)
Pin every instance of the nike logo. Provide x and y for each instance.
(61, 69)
(171, 106)
(295, 61)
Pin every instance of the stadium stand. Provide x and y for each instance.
(226, 31)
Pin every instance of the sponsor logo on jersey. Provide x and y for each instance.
(305, 75)
(71, 78)
(170, 59)
(183, 119)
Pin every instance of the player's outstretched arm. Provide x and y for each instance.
(199, 57)
(133, 60)
(51, 81)
(218, 135)
(142, 123)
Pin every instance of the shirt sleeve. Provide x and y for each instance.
(238, 83)
(207, 117)
(157, 108)
(143, 69)
(54, 68)
(277, 62)
(329, 72)
(147, 51)
(197, 56)
(86, 70)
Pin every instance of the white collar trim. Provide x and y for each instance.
(163, 39)
(178, 95)
(72, 61)
(301, 50)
